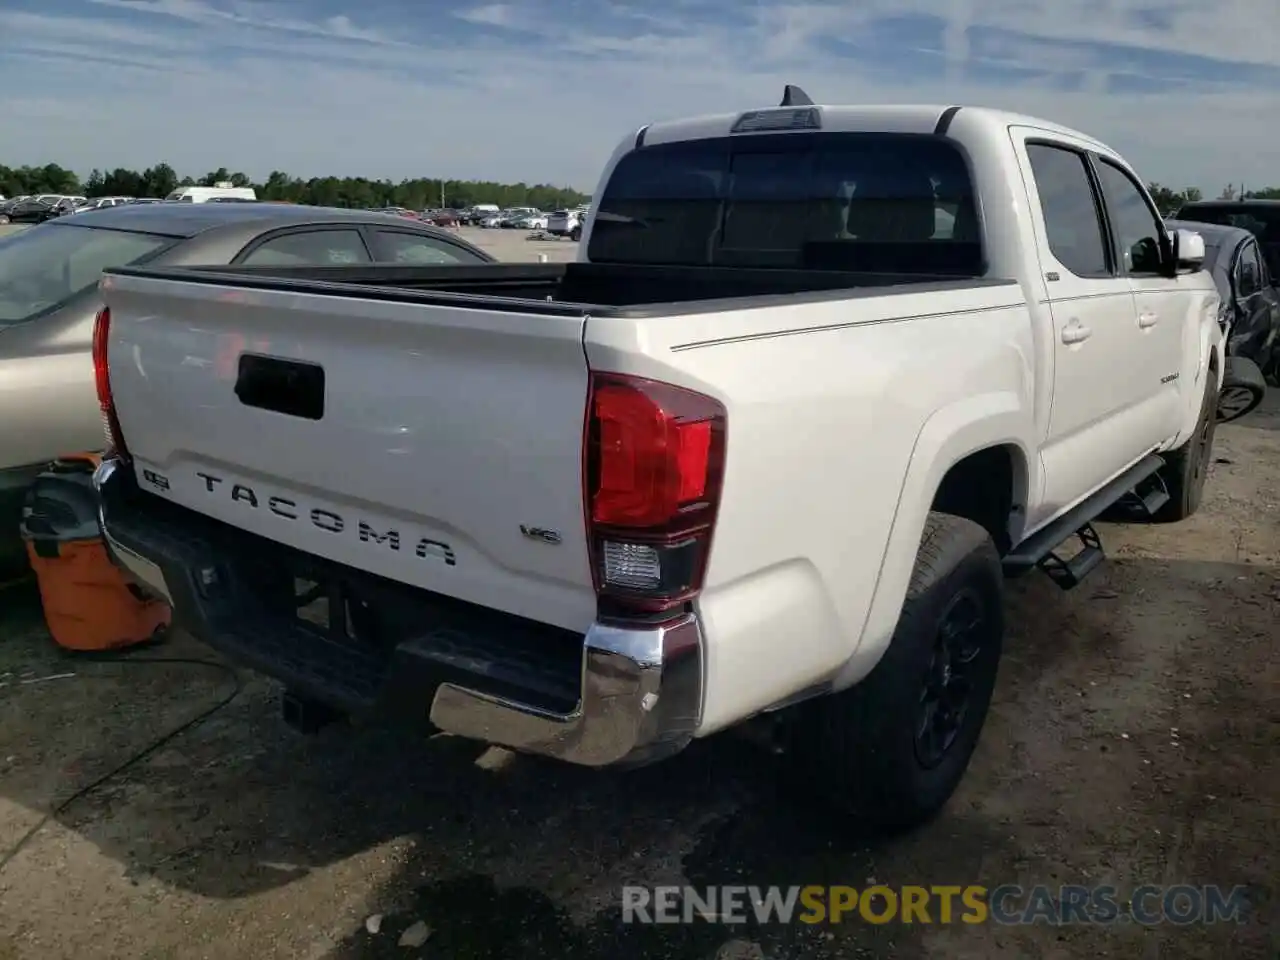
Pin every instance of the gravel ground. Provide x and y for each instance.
(514, 245)
(1133, 740)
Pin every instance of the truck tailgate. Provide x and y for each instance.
(434, 446)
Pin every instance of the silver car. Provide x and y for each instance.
(49, 297)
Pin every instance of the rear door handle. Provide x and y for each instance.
(1148, 320)
(1076, 332)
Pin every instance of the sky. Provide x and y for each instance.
(541, 91)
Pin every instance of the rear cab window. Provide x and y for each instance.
(1262, 220)
(872, 202)
(1257, 220)
(44, 268)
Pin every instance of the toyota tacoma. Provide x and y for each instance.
(821, 379)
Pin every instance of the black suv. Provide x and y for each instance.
(1259, 217)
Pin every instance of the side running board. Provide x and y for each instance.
(1139, 490)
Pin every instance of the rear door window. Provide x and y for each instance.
(893, 203)
(400, 246)
(1070, 209)
(308, 248)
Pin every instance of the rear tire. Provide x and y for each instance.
(1243, 389)
(575, 234)
(1187, 467)
(889, 750)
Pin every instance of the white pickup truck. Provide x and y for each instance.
(821, 378)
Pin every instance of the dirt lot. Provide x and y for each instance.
(515, 245)
(1134, 740)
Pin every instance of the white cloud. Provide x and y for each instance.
(258, 15)
(1240, 30)
(258, 85)
(341, 26)
(493, 14)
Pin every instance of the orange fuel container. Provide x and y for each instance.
(89, 603)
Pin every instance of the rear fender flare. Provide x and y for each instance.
(1206, 344)
(947, 437)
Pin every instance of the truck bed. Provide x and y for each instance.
(568, 289)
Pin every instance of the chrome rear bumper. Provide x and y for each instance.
(640, 686)
(641, 701)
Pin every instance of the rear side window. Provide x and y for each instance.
(1249, 271)
(398, 246)
(1070, 209)
(309, 248)
(1263, 223)
(45, 267)
(891, 203)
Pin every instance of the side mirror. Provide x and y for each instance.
(1188, 250)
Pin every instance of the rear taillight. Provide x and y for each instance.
(102, 379)
(653, 464)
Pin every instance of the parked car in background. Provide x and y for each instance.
(48, 298)
(444, 218)
(33, 210)
(473, 215)
(55, 198)
(513, 216)
(397, 212)
(205, 194)
(533, 221)
(98, 203)
(567, 223)
(1259, 217)
(1250, 310)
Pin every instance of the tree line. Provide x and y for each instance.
(1168, 200)
(161, 180)
(420, 194)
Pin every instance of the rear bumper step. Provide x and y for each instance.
(620, 695)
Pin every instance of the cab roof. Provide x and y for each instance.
(856, 118)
